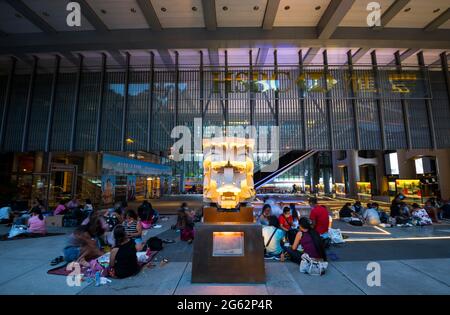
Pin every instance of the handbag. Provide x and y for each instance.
(312, 266)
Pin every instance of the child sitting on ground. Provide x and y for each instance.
(36, 224)
(122, 260)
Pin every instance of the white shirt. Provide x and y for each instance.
(276, 209)
(371, 216)
(4, 213)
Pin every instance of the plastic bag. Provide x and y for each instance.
(17, 230)
(336, 236)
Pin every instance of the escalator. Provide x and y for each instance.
(285, 163)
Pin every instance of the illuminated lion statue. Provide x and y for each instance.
(228, 171)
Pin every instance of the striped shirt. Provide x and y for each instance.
(130, 227)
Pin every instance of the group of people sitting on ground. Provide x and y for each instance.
(33, 219)
(288, 236)
(401, 213)
(120, 228)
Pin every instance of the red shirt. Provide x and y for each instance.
(285, 222)
(319, 214)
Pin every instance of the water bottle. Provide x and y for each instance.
(97, 279)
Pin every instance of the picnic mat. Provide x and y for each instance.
(63, 271)
(4, 237)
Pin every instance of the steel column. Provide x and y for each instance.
(75, 104)
(150, 107)
(354, 102)
(301, 96)
(125, 102)
(405, 110)
(250, 88)
(421, 61)
(177, 81)
(202, 86)
(373, 55)
(100, 103)
(51, 110)
(7, 101)
(277, 94)
(26, 122)
(226, 89)
(444, 64)
(328, 101)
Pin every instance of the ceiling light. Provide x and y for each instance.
(163, 9)
(103, 11)
(318, 8)
(407, 10)
(255, 8)
(225, 8)
(287, 7)
(194, 9)
(133, 10)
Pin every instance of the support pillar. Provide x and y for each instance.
(353, 172)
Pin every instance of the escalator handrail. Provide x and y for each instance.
(283, 169)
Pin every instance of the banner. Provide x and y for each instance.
(108, 188)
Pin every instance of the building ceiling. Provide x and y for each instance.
(30, 27)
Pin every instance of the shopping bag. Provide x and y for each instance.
(336, 236)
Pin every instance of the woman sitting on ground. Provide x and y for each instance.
(36, 224)
(60, 209)
(266, 212)
(273, 236)
(81, 247)
(133, 227)
(295, 215)
(306, 241)
(420, 215)
(122, 260)
(185, 223)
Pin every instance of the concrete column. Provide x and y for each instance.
(406, 165)
(382, 182)
(353, 171)
(38, 162)
(443, 170)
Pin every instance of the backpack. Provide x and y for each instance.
(154, 244)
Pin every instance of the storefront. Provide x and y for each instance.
(364, 190)
(125, 179)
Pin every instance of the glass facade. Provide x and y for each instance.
(316, 108)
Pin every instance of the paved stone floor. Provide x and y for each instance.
(412, 260)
